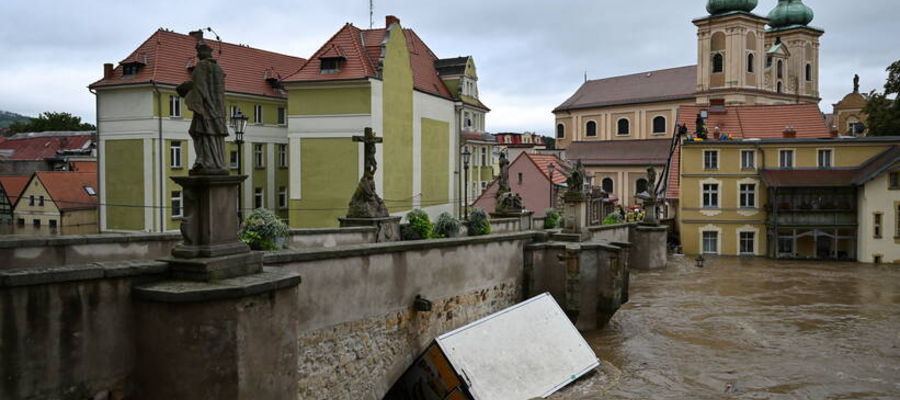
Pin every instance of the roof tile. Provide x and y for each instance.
(644, 87)
(68, 189)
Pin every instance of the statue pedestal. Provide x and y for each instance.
(387, 228)
(210, 223)
(575, 210)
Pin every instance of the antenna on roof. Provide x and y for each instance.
(585, 75)
(371, 13)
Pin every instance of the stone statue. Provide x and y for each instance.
(365, 202)
(509, 203)
(504, 175)
(650, 209)
(204, 94)
(651, 182)
(855, 83)
(576, 179)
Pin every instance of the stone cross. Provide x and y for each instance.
(369, 140)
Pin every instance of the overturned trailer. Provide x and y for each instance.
(525, 351)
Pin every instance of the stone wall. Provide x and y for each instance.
(331, 237)
(612, 233)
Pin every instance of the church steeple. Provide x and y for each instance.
(718, 7)
(789, 13)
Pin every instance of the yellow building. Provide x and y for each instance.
(848, 117)
(58, 202)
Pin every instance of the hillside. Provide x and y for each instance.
(7, 118)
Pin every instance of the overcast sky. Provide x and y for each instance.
(531, 55)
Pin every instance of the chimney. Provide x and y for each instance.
(107, 70)
(789, 132)
(198, 35)
(390, 19)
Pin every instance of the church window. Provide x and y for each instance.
(591, 129)
(780, 69)
(560, 131)
(718, 63)
(750, 60)
(607, 185)
(659, 125)
(769, 62)
(623, 126)
(780, 88)
(809, 72)
(640, 186)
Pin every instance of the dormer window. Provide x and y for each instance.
(331, 65)
(131, 68)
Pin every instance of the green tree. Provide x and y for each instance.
(52, 121)
(884, 111)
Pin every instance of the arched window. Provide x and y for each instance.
(750, 60)
(780, 88)
(808, 72)
(641, 186)
(591, 129)
(560, 131)
(607, 185)
(780, 69)
(624, 126)
(659, 124)
(718, 63)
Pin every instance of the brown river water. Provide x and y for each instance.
(751, 329)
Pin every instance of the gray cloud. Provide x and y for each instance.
(530, 55)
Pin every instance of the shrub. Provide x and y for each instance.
(447, 226)
(263, 230)
(612, 219)
(551, 221)
(478, 223)
(419, 226)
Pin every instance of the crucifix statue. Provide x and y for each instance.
(365, 202)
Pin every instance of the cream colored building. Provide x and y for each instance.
(879, 209)
(58, 202)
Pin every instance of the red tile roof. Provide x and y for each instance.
(13, 186)
(807, 177)
(543, 161)
(645, 87)
(67, 189)
(167, 56)
(84, 166)
(39, 146)
(621, 152)
(760, 121)
(673, 185)
(363, 50)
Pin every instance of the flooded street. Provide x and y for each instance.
(752, 329)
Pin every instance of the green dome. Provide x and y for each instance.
(716, 7)
(790, 13)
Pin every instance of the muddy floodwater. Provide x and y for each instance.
(752, 329)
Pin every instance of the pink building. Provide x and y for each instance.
(530, 177)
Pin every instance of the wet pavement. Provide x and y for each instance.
(752, 329)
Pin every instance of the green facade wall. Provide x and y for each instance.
(259, 176)
(330, 172)
(124, 163)
(435, 162)
(174, 224)
(330, 101)
(398, 118)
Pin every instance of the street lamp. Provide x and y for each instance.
(465, 156)
(551, 168)
(239, 123)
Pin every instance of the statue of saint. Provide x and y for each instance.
(504, 175)
(855, 83)
(576, 179)
(651, 182)
(204, 94)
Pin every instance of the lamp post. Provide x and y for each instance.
(552, 169)
(465, 156)
(239, 123)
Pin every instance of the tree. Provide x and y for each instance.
(52, 121)
(883, 111)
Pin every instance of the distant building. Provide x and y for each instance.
(10, 189)
(620, 167)
(847, 118)
(532, 177)
(26, 153)
(58, 202)
(482, 163)
(514, 143)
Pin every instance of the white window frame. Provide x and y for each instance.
(718, 241)
(282, 155)
(175, 154)
(781, 153)
(234, 111)
(282, 197)
(174, 106)
(717, 192)
(713, 151)
(258, 114)
(259, 159)
(282, 116)
(754, 248)
(259, 197)
(752, 154)
(830, 157)
(742, 193)
(177, 197)
(653, 125)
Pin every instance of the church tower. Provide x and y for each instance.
(792, 62)
(740, 62)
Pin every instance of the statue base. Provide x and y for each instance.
(387, 229)
(209, 269)
(210, 224)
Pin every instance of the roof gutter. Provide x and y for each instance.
(98, 155)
